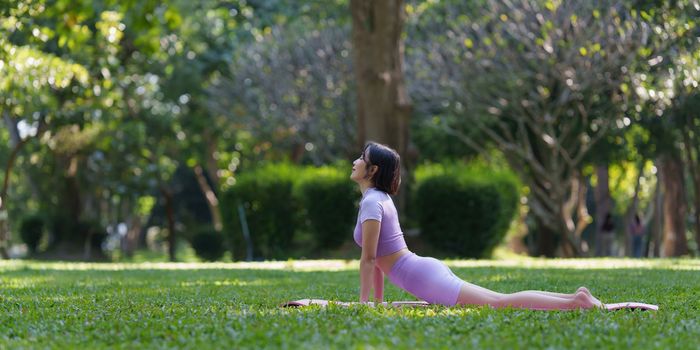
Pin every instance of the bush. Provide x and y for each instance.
(271, 211)
(327, 197)
(208, 244)
(31, 231)
(465, 210)
(94, 231)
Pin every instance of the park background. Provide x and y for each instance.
(141, 136)
(139, 130)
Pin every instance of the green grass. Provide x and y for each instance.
(203, 306)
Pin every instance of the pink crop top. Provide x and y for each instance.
(377, 205)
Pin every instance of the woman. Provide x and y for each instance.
(384, 250)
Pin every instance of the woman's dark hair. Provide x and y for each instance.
(388, 176)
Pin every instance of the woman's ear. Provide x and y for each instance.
(373, 170)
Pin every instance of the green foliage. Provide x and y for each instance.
(71, 234)
(294, 90)
(118, 93)
(127, 306)
(94, 232)
(208, 244)
(271, 211)
(328, 197)
(283, 200)
(465, 210)
(60, 228)
(31, 231)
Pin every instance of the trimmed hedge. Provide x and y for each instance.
(271, 211)
(283, 200)
(208, 244)
(31, 231)
(465, 210)
(462, 210)
(327, 197)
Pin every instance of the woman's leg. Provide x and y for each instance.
(564, 295)
(471, 294)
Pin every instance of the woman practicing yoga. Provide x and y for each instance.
(384, 250)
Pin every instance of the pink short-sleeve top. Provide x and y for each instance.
(377, 205)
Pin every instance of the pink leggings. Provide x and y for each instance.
(427, 279)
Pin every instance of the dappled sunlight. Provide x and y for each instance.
(25, 282)
(291, 265)
(432, 311)
(498, 277)
(345, 265)
(583, 264)
(260, 282)
(395, 312)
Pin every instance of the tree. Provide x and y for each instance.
(30, 85)
(691, 141)
(544, 81)
(666, 86)
(383, 105)
(293, 89)
(116, 45)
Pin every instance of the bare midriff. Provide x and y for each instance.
(386, 262)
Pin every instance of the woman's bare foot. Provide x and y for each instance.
(593, 299)
(583, 301)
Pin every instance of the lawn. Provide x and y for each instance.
(191, 305)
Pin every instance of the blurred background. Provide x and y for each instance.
(225, 130)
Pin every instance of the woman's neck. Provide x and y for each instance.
(364, 186)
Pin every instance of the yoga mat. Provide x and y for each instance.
(631, 306)
(322, 302)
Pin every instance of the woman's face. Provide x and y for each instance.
(359, 167)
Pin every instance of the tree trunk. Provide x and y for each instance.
(555, 202)
(210, 195)
(383, 105)
(658, 220)
(546, 245)
(4, 232)
(4, 217)
(132, 234)
(692, 154)
(72, 201)
(603, 204)
(696, 210)
(649, 220)
(633, 210)
(170, 214)
(571, 231)
(674, 206)
(547, 220)
(211, 160)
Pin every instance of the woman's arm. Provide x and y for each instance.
(378, 284)
(368, 260)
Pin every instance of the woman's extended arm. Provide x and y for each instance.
(368, 260)
(378, 284)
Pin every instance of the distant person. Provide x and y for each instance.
(637, 230)
(607, 236)
(384, 250)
